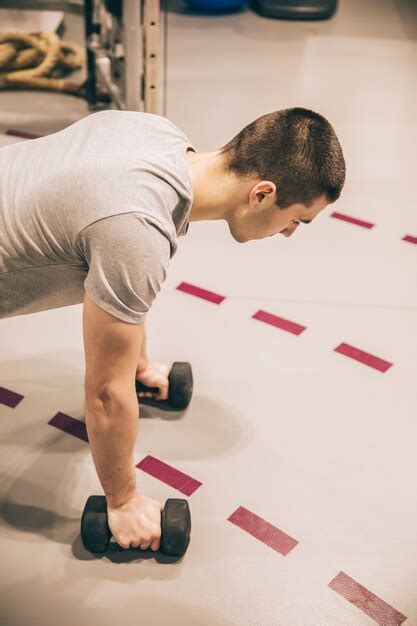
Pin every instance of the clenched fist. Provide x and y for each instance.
(154, 375)
(137, 523)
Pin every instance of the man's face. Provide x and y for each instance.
(262, 218)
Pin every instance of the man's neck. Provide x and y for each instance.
(215, 193)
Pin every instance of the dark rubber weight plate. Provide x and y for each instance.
(176, 524)
(296, 9)
(180, 385)
(95, 531)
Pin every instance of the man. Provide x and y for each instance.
(92, 214)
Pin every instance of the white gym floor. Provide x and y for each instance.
(320, 446)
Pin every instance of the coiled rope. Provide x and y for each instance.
(27, 61)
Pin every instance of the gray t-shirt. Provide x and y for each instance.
(97, 206)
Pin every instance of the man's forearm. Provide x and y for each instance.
(143, 357)
(112, 427)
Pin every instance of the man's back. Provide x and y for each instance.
(71, 200)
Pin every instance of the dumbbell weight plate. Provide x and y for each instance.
(176, 522)
(95, 531)
(180, 385)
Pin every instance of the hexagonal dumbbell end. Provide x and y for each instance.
(95, 531)
(176, 527)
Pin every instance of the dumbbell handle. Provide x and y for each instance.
(141, 387)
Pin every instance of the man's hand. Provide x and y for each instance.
(154, 375)
(137, 523)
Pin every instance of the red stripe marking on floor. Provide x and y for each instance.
(201, 293)
(10, 398)
(22, 134)
(410, 239)
(169, 475)
(262, 530)
(279, 322)
(363, 357)
(70, 425)
(351, 220)
(365, 600)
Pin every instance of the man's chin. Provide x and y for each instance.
(235, 237)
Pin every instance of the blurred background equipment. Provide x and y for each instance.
(37, 61)
(296, 10)
(125, 51)
(125, 42)
(217, 5)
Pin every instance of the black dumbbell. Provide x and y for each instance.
(180, 388)
(175, 526)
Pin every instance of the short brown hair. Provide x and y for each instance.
(297, 149)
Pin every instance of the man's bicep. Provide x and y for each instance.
(112, 349)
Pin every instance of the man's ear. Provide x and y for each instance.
(269, 190)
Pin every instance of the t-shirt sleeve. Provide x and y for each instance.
(128, 258)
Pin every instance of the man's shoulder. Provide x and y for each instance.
(133, 230)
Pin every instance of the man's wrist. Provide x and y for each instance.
(143, 357)
(142, 363)
(119, 500)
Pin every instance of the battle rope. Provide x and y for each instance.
(27, 61)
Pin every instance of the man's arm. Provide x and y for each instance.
(111, 405)
(143, 357)
(128, 258)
